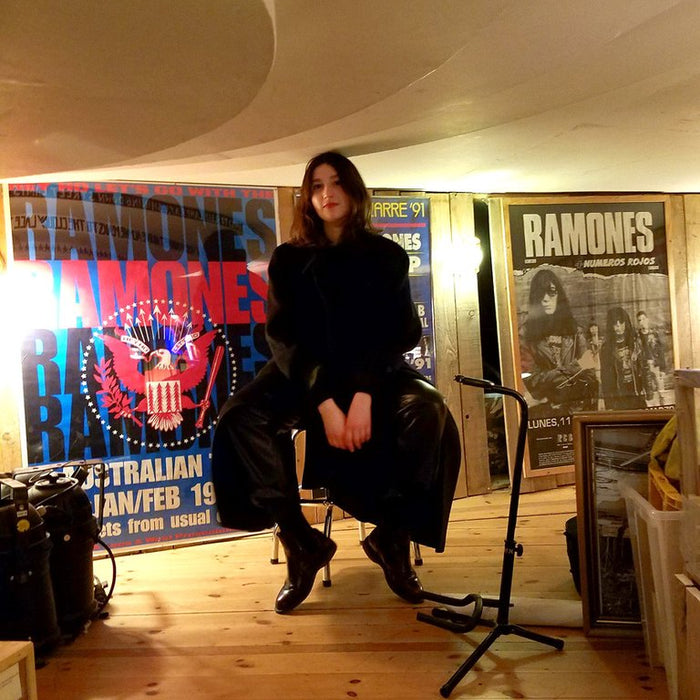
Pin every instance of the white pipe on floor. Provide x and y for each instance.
(543, 612)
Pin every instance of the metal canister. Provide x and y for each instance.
(68, 518)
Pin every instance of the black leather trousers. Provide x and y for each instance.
(404, 476)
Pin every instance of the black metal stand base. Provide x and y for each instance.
(497, 632)
(461, 623)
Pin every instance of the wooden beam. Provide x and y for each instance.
(10, 386)
(469, 361)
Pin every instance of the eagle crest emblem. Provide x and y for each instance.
(156, 360)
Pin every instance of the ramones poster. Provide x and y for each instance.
(592, 317)
(144, 308)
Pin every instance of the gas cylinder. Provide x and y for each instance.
(27, 605)
(68, 518)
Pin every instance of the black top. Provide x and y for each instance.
(340, 317)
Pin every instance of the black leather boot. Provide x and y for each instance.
(391, 550)
(306, 555)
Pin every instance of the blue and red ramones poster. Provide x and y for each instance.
(145, 308)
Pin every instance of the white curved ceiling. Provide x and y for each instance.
(460, 95)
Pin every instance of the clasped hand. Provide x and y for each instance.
(348, 431)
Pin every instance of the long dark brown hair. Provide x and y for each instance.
(307, 227)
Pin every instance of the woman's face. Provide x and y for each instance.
(328, 197)
(549, 300)
(619, 327)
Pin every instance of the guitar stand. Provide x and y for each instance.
(459, 622)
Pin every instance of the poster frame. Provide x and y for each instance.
(589, 427)
(508, 308)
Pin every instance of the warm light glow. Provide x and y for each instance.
(31, 287)
(463, 256)
(9, 354)
(474, 254)
(29, 302)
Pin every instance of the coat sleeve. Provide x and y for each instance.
(293, 358)
(393, 322)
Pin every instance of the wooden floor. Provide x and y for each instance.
(198, 622)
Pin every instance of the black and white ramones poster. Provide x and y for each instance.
(592, 314)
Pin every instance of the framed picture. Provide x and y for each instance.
(589, 310)
(611, 449)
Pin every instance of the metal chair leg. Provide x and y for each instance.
(327, 525)
(274, 558)
(417, 557)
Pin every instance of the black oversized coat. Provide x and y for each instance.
(340, 319)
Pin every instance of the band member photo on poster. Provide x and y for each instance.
(558, 365)
(592, 315)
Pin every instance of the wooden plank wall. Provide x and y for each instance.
(10, 432)
(685, 232)
(457, 338)
(469, 343)
(458, 348)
